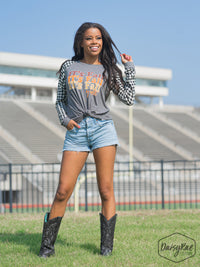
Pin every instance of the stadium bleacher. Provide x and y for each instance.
(168, 131)
(185, 120)
(144, 143)
(48, 110)
(47, 145)
(197, 110)
(35, 136)
(8, 154)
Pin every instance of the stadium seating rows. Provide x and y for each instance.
(149, 124)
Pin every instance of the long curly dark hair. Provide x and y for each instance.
(107, 56)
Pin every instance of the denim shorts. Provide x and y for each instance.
(94, 133)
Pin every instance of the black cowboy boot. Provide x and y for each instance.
(50, 231)
(107, 234)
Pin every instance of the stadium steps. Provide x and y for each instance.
(181, 137)
(29, 131)
(123, 150)
(41, 118)
(197, 111)
(4, 160)
(188, 120)
(148, 142)
(195, 115)
(46, 110)
(14, 150)
(182, 122)
(4, 151)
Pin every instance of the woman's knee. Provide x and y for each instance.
(106, 193)
(62, 194)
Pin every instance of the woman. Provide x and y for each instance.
(84, 85)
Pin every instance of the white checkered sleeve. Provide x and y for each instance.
(61, 101)
(126, 92)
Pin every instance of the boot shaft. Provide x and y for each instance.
(51, 227)
(49, 235)
(107, 234)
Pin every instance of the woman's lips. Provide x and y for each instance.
(94, 48)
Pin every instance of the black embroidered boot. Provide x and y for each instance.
(50, 231)
(107, 234)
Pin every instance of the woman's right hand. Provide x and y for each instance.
(126, 58)
(72, 124)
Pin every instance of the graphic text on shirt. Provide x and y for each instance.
(91, 82)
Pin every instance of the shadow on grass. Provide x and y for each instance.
(90, 247)
(33, 242)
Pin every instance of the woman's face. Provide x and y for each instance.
(92, 42)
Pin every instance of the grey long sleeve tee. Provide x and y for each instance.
(83, 92)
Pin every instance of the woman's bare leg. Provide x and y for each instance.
(104, 159)
(71, 166)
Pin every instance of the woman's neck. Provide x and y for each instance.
(91, 60)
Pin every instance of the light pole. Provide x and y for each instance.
(130, 137)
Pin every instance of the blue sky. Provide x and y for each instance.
(156, 33)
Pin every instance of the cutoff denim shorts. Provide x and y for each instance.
(94, 133)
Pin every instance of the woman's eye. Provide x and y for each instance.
(89, 38)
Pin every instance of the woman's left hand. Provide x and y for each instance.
(126, 58)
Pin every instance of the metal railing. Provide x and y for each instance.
(137, 185)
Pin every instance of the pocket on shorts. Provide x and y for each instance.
(74, 129)
(71, 129)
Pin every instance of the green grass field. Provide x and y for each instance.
(135, 244)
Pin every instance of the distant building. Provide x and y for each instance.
(34, 77)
